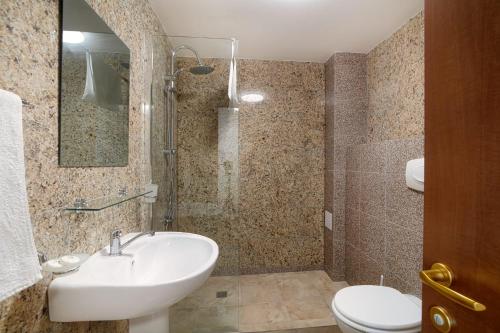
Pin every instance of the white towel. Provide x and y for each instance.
(232, 90)
(19, 266)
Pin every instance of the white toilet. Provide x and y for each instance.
(376, 309)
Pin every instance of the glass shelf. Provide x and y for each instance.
(95, 205)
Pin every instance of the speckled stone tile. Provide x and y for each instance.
(281, 145)
(329, 153)
(401, 151)
(389, 237)
(352, 260)
(353, 190)
(370, 270)
(346, 104)
(399, 195)
(386, 88)
(328, 251)
(395, 70)
(339, 258)
(372, 198)
(281, 163)
(329, 190)
(372, 237)
(397, 283)
(411, 217)
(353, 158)
(373, 157)
(278, 254)
(352, 227)
(404, 256)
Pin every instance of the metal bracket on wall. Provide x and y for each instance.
(169, 151)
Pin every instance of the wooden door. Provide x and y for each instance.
(462, 156)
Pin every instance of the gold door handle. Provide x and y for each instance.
(439, 278)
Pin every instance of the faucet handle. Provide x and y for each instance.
(115, 242)
(116, 234)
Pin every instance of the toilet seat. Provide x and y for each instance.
(377, 309)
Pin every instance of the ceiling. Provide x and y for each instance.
(299, 30)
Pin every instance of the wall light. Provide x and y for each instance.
(73, 37)
(252, 98)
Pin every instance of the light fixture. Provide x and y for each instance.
(252, 98)
(73, 37)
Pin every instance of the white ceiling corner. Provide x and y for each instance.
(296, 30)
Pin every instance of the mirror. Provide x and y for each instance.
(93, 92)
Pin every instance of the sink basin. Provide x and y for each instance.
(153, 273)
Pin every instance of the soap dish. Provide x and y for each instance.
(65, 264)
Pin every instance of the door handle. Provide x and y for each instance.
(440, 278)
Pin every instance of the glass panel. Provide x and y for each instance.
(204, 149)
(104, 202)
(159, 56)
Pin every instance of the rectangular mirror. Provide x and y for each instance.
(94, 90)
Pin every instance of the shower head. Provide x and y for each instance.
(201, 69)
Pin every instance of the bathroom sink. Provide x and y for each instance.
(152, 274)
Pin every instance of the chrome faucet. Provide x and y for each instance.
(115, 242)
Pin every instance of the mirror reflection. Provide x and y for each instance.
(94, 90)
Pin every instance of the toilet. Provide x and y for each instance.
(376, 309)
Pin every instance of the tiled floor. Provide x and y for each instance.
(296, 302)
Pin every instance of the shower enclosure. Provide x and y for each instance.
(194, 158)
(170, 150)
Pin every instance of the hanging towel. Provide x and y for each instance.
(102, 83)
(19, 266)
(233, 78)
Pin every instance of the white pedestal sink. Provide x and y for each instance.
(152, 274)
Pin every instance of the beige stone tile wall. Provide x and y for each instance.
(345, 114)
(281, 167)
(29, 67)
(277, 225)
(395, 71)
(375, 98)
(384, 218)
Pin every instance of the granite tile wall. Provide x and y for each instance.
(345, 114)
(281, 166)
(395, 71)
(277, 224)
(29, 67)
(384, 218)
(375, 98)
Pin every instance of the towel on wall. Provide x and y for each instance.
(102, 83)
(19, 266)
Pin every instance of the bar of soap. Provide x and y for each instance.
(70, 260)
(54, 264)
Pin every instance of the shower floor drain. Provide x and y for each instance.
(221, 294)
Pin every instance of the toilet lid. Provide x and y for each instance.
(378, 307)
